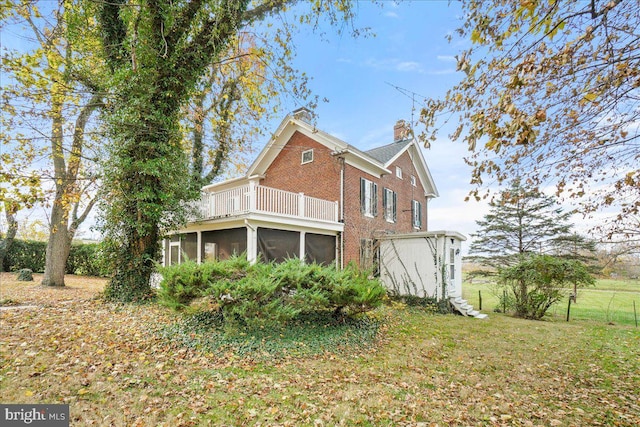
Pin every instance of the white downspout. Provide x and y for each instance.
(342, 173)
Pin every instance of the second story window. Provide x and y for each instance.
(398, 172)
(307, 156)
(413, 180)
(389, 204)
(368, 197)
(416, 210)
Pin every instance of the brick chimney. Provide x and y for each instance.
(302, 114)
(400, 131)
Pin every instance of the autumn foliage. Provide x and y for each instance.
(549, 92)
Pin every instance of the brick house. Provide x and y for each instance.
(310, 195)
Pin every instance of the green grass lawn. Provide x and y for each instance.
(610, 301)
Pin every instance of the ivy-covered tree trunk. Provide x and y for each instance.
(149, 177)
(158, 51)
(156, 62)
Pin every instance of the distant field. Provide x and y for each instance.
(610, 301)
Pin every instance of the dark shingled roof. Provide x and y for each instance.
(387, 152)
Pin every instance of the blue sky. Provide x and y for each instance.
(408, 49)
(358, 75)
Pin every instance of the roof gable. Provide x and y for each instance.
(375, 161)
(290, 125)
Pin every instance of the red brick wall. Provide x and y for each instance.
(320, 178)
(359, 226)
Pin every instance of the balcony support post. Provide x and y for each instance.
(301, 205)
(252, 196)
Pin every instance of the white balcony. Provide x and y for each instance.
(252, 198)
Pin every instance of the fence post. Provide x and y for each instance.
(504, 301)
(569, 308)
(635, 314)
(479, 299)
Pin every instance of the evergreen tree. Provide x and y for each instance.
(521, 221)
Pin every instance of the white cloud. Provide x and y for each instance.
(441, 72)
(393, 64)
(391, 14)
(376, 137)
(409, 66)
(446, 58)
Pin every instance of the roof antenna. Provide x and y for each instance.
(412, 95)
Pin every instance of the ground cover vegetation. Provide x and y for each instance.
(112, 365)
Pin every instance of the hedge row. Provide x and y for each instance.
(84, 259)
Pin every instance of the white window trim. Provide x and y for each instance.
(303, 161)
(389, 206)
(399, 172)
(369, 198)
(413, 180)
(452, 264)
(416, 213)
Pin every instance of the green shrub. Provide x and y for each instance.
(86, 259)
(25, 275)
(265, 294)
(26, 254)
(536, 283)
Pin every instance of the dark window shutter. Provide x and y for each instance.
(374, 199)
(385, 201)
(363, 193)
(395, 206)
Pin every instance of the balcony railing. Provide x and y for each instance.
(260, 199)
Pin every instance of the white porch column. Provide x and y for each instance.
(303, 235)
(199, 247)
(252, 243)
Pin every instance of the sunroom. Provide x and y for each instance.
(241, 216)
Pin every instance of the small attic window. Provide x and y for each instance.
(307, 156)
(413, 180)
(398, 172)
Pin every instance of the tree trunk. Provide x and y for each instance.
(58, 248)
(131, 279)
(12, 230)
(68, 194)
